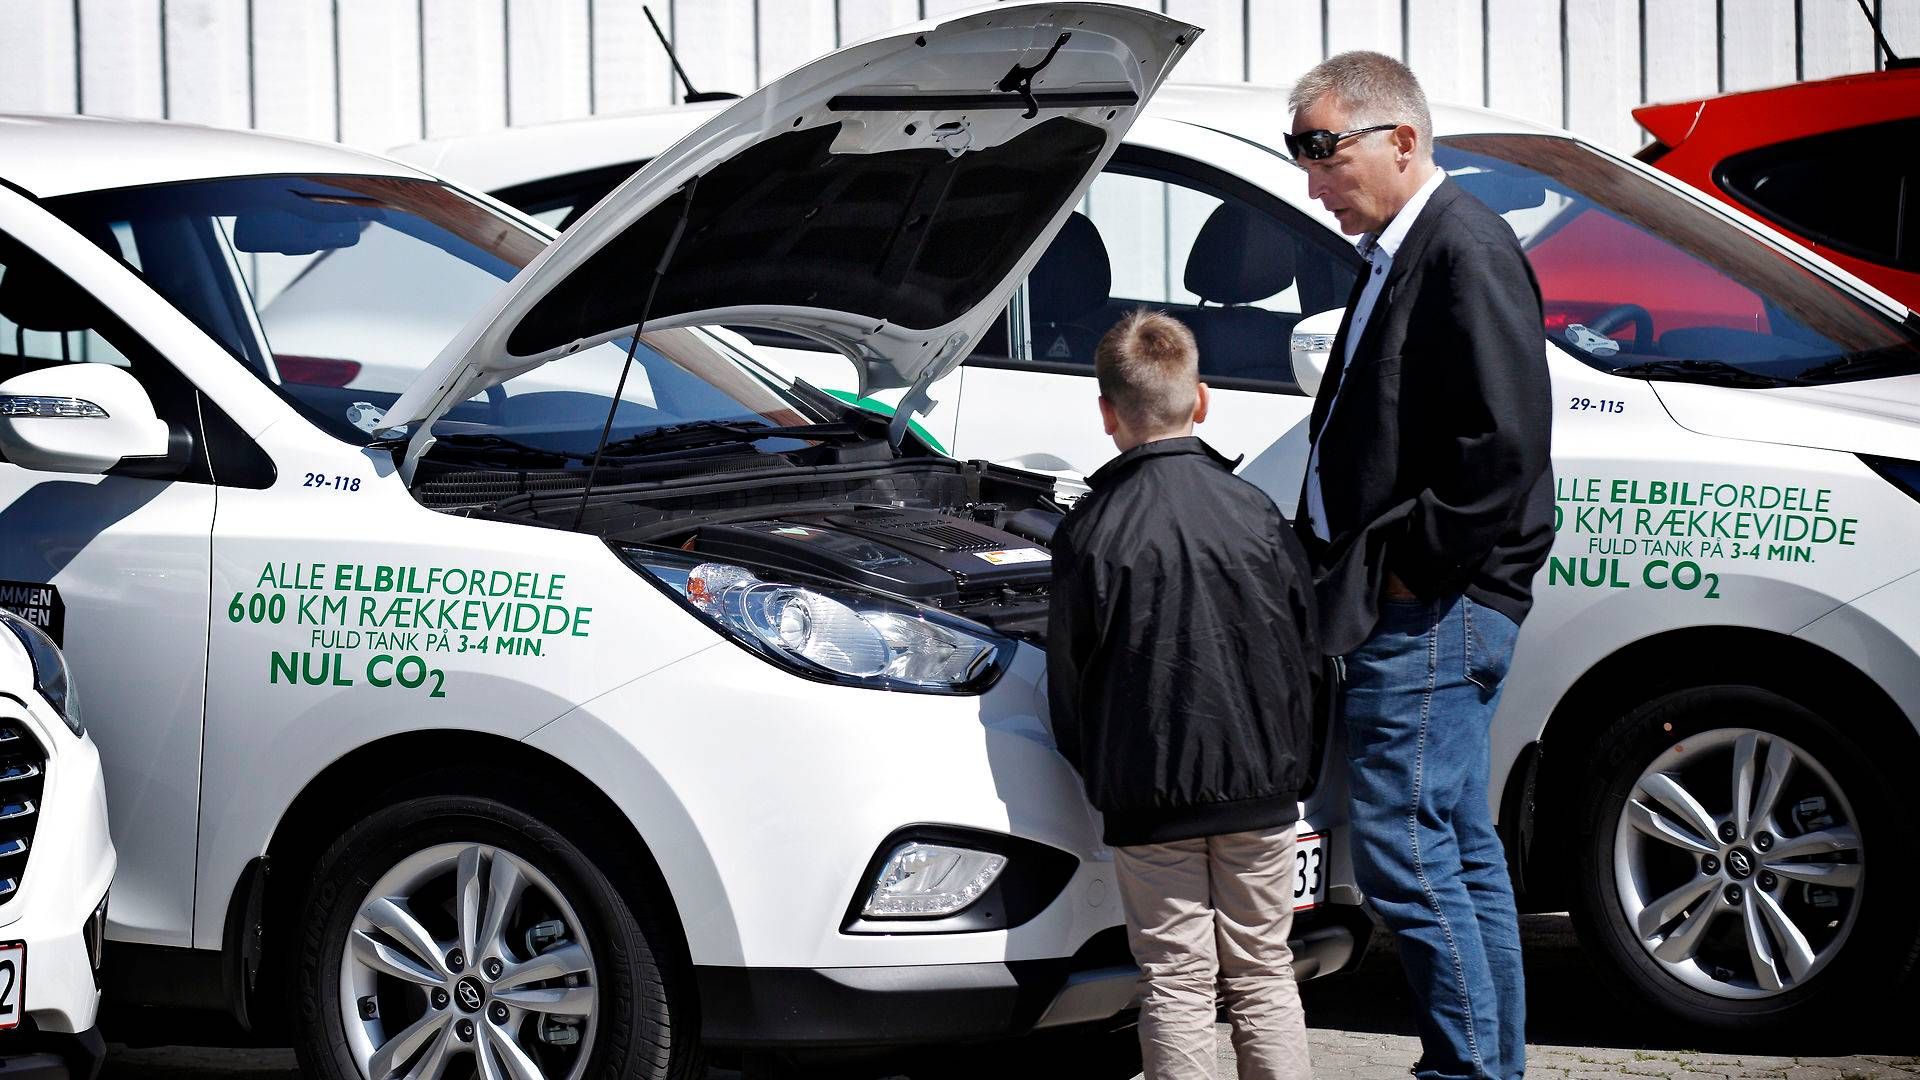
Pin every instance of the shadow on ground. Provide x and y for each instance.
(1568, 1006)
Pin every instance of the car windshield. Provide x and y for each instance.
(337, 291)
(1639, 279)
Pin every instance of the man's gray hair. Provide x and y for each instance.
(1375, 88)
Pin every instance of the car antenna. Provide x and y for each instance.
(692, 96)
(1886, 50)
(633, 344)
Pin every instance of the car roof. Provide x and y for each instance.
(1749, 118)
(52, 155)
(1261, 112)
(493, 160)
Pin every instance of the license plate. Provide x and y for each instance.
(13, 983)
(1309, 880)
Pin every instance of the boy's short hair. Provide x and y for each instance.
(1148, 368)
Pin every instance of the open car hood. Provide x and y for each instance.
(886, 199)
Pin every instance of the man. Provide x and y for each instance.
(1181, 664)
(1428, 508)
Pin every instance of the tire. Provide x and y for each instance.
(1741, 931)
(569, 958)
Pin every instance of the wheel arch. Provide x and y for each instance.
(1541, 795)
(265, 901)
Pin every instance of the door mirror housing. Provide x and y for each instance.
(87, 418)
(1312, 345)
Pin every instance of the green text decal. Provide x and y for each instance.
(381, 623)
(1680, 532)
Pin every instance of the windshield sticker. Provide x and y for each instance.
(1679, 533)
(1591, 342)
(383, 625)
(39, 604)
(1011, 556)
(367, 416)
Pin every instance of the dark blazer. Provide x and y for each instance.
(1181, 666)
(1435, 465)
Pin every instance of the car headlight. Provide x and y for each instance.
(51, 678)
(838, 634)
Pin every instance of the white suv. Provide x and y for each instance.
(55, 858)
(523, 694)
(1715, 701)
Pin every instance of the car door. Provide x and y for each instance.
(116, 567)
(1166, 227)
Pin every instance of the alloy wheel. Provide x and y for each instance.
(1738, 863)
(466, 960)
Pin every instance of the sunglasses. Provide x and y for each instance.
(1320, 145)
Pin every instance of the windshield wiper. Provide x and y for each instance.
(1870, 361)
(716, 432)
(482, 445)
(1715, 372)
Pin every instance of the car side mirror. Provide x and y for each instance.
(87, 418)
(1312, 345)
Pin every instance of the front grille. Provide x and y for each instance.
(23, 777)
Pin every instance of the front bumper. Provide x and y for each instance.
(59, 911)
(864, 1007)
(32, 1054)
(764, 799)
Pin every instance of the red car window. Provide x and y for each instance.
(1875, 216)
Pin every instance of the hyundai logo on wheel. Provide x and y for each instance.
(1739, 862)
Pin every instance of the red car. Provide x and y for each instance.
(1835, 163)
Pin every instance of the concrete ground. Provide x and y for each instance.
(1362, 1030)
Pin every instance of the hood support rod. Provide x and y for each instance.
(633, 344)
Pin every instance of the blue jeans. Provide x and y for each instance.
(1420, 696)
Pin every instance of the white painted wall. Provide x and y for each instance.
(376, 73)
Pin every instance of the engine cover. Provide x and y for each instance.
(922, 555)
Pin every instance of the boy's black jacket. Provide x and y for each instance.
(1181, 665)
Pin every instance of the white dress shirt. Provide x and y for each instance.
(1378, 251)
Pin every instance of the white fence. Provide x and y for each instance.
(376, 73)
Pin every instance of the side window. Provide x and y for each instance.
(1239, 274)
(1792, 185)
(48, 321)
(42, 316)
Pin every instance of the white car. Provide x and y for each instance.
(56, 860)
(482, 769)
(1716, 697)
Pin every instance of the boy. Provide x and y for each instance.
(1181, 672)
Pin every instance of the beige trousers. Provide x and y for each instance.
(1217, 908)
